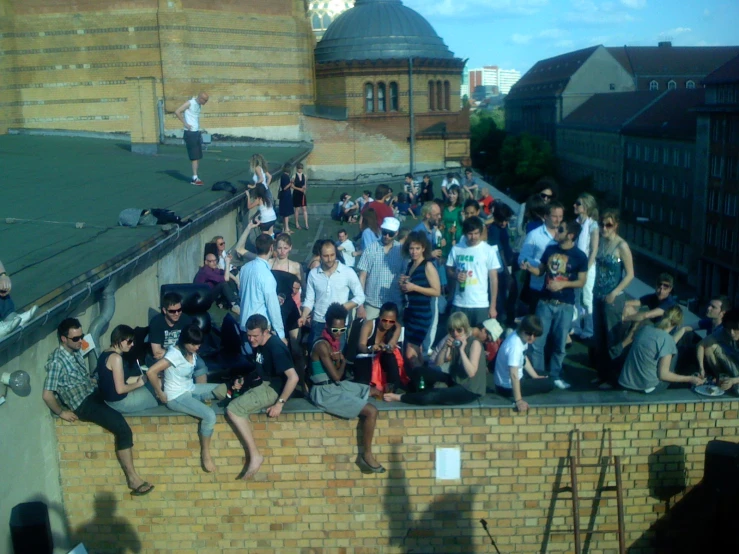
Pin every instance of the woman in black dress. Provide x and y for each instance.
(300, 184)
(285, 198)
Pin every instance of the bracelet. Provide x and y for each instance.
(519, 400)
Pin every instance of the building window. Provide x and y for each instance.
(381, 105)
(654, 85)
(393, 97)
(647, 153)
(690, 84)
(447, 96)
(717, 166)
(663, 187)
(654, 183)
(316, 22)
(665, 156)
(637, 153)
(675, 157)
(688, 159)
(655, 156)
(629, 151)
(432, 96)
(369, 97)
(671, 85)
(439, 96)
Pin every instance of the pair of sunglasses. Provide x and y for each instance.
(338, 330)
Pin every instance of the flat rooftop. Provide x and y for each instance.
(55, 185)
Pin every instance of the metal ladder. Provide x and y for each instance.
(601, 491)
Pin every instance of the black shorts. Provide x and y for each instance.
(194, 142)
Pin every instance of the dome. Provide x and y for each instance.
(380, 30)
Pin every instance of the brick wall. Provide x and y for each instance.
(65, 64)
(311, 498)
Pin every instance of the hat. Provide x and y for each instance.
(493, 327)
(390, 224)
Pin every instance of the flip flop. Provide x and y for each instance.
(142, 489)
(364, 464)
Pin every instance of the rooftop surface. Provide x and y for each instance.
(54, 185)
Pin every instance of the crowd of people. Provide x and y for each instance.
(361, 319)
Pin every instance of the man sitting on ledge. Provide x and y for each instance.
(719, 353)
(67, 375)
(341, 398)
(277, 372)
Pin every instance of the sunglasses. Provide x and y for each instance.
(338, 330)
(546, 196)
(388, 321)
(608, 225)
(388, 233)
(221, 243)
(179, 311)
(578, 203)
(129, 341)
(664, 286)
(75, 339)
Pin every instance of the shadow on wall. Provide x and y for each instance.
(445, 526)
(105, 533)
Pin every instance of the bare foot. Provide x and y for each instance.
(299, 228)
(391, 397)
(208, 464)
(254, 464)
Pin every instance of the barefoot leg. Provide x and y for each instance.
(205, 457)
(244, 430)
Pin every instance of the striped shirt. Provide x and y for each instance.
(382, 271)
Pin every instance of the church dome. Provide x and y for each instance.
(380, 30)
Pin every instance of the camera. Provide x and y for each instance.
(457, 343)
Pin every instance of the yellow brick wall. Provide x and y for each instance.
(310, 497)
(64, 65)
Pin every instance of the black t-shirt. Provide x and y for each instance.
(562, 265)
(161, 333)
(273, 360)
(652, 302)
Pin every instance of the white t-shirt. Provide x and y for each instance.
(267, 213)
(477, 261)
(192, 114)
(583, 241)
(445, 183)
(510, 354)
(178, 376)
(348, 247)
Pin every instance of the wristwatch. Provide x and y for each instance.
(281, 400)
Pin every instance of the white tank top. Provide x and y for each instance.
(192, 114)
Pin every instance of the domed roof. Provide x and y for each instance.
(380, 30)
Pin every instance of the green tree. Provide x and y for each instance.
(524, 159)
(486, 140)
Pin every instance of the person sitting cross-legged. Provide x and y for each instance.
(467, 369)
(514, 375)
(335, 396)
(67, 375)
(718, 353)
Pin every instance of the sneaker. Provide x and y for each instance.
(560, 384)
(196, 181)
(605, 386)
(27, 316)
(596, 381)
(7, 327)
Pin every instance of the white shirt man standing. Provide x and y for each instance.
(535, 244)
(189, 114)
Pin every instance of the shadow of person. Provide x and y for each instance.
(175, 174)
(106, 533)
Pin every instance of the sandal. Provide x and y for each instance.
(143, 489)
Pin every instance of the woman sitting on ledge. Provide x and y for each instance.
(124, 395)
(467, 370)
(180, 394)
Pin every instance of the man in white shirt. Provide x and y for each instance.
(535, 244)
(448, 181)
(346, 247)
(473, 267)
(330, 282)
(259, 288)
(189, 114)
(511, 361)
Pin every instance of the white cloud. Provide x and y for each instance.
(455, 8)
(553, 33)
(565, 44)
(520, 39)
(590, 13)
(634, 4)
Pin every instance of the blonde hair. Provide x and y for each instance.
(458, 320)
(673, 318)
(590, 204)
(257, 160)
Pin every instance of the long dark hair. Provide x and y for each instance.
(263, 194)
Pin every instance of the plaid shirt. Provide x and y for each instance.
(383, 271)
(68, 376)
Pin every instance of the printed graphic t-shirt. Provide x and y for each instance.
(562, 265)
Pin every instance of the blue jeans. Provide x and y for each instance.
(556, 319)
(583, 325)
(135, 401)
(191, 403)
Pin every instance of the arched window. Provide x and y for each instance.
(369, 97)
(690, 84)
(316, 22)
(654, 85)
(447, 96)
(439, 96)
(326, 20)
(381, 105)
(432, 96)
(672, 85)
(393, 97)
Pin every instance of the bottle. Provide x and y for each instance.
(462, 284)
(421, 384)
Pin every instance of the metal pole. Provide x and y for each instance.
(412, 115)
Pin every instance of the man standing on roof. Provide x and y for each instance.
(189, 114)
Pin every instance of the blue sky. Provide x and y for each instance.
(515, 34)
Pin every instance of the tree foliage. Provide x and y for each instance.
(524, 159)
(486, 139)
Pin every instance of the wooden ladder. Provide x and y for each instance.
(601, 492)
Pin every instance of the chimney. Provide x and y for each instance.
(664, 44)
